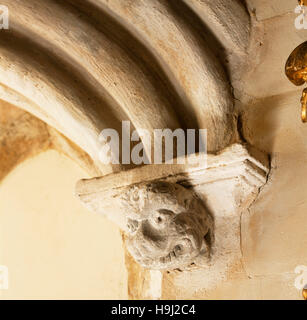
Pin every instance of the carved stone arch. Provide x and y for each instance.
(81, 77)
(85, 65)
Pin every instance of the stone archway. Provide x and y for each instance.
(83, 66)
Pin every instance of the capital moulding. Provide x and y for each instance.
(181, 216)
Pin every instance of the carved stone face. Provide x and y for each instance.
(167, 225)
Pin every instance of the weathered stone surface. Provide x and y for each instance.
(198, 206)
(168, 226)
(92, 64)
(269, 9)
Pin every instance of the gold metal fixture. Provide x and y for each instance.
(296, 71)
(302, 2)
(305, 292)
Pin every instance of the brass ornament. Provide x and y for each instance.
(296, 71)
(305, 292)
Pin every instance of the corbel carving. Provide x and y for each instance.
(168, 225)
(181, 216)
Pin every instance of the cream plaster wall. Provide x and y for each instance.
(274, 233)
(54, 248)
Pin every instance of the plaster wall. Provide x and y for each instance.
(53, 247)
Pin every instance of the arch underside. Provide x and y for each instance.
(83, 66)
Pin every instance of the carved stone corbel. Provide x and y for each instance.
(169, 226)
(182, 216)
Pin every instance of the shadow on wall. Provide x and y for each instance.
(53, 247)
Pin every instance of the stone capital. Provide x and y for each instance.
(181, 216)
